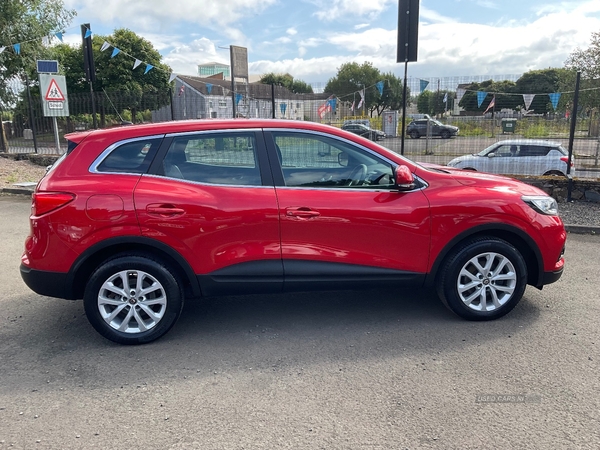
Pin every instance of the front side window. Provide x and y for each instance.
(215, 158)
(131, 157)
(309, 160)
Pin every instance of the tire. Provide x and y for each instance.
(414, 134)
(556, 173)
(474, 295)
(445, 134)
(140, 315)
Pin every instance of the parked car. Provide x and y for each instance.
(519, 157)
(364, 131)
(133, 220)
(418, 128)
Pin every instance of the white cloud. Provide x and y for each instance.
(329, 10)
(291, 31)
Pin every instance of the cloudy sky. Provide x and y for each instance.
(310, 39)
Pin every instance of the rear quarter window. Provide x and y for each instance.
(130, 157)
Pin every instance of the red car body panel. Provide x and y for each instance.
(214, 227)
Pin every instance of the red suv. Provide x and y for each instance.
(136, 219)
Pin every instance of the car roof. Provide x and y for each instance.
(529, 142)
(183, 126)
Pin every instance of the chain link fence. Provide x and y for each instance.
(428, 139)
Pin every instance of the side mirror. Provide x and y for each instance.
(343, 159)
(405, 181)
(491, 155)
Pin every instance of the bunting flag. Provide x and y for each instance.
(380, 87)
(527, 99)
(59, 35)
(325, 108)
(491, 105)
(104, 46)
(238, 98)
(172, 77)
(332, 102)
(2, 49)
(446, 97)
(362, 98)
(88, 33)
(136, 64)
(149, 67)
(554, 98)
(209, 87)
(460, 92)
(17, 48)
(181, 90)
(423, 84)
(283, 107)
(352, 107)
(115, 52)
(480, 98)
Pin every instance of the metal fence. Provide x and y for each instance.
(27, 131)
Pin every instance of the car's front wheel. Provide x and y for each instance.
(445, 134)
(133, 299)
(483, 279)
(414, 134)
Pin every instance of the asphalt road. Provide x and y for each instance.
(375, 370)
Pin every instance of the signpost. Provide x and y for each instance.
(54, 98)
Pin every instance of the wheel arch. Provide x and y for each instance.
(89, 260)
(514, 236)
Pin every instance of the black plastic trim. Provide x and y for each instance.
(244, 278)
(551, 277)
(431, 277)
(50, 284)
(128, 241)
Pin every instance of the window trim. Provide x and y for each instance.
(278, 174)
(102, 156)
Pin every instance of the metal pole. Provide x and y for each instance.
(232, 81)
(572, 135)
(404, 106)
(95, 121)
(273, 99)
(31, 118)
(56, 138)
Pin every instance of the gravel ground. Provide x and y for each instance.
(11, 172)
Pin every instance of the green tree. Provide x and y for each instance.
(588, 63)
(287, 81)
(544, 81)
(424, 102)
(352, 78)
(127, 88)
(25, 22)
(391, 97)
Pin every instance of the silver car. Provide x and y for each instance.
(518, 157)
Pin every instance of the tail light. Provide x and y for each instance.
(565, 159)
(44, 202)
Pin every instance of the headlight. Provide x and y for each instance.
(542, 204)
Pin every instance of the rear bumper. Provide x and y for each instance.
(50, 284)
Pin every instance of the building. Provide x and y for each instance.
(211, 98)
(213, 68)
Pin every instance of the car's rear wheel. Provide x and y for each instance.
(483, 279)
(133, 299)
(414, 134)
(445, 134)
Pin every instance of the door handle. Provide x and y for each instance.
(164, 210)
(302, 213)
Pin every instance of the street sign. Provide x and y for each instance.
(54, 100)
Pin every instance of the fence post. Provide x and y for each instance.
(31, 118)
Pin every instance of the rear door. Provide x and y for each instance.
(210, 196)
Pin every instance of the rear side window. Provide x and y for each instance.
(131, 157)
(215, 158)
